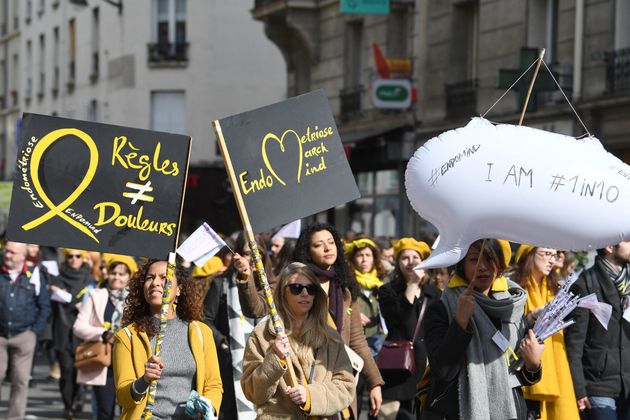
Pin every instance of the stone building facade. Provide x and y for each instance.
(464, 55)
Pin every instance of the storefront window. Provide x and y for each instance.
(377, 212)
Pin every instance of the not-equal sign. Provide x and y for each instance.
(140, 194)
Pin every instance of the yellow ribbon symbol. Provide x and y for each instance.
(58, 210)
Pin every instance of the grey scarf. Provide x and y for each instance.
(485, 385)
(619, 277)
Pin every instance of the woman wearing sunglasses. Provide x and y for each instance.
(322, 368)
(319, 247)
(67, 292)
(553, 396)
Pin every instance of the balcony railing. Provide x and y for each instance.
(165, 52)
(461, 99)
(617, 70)
(350, 102)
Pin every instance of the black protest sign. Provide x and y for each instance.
(98, 187)
(288, 160)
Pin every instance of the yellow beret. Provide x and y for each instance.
(409, 243)
(125, 259)
(68, 251)
(358, 244)
(522, 252)
(212, 266)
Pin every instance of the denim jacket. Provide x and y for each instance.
(20, 307)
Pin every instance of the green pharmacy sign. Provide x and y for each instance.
(391, 93)
(373, 7)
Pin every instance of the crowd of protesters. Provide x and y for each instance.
(345, 302)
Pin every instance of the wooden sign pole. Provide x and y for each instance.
(166, 297)
(249, 233)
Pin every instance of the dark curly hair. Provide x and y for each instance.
(189, 303)
(302, 254)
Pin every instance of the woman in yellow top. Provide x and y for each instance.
(555, 390)
(188, 357)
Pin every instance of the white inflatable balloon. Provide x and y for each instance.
(521, 184)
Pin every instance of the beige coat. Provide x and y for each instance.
(89, 327)
(331, 388)
(254, 305)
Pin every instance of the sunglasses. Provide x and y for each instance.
(71, 256)
(296, 289)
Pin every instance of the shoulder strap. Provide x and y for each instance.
(200, 334)
(424, 306)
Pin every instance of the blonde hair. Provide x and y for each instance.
(315, 329)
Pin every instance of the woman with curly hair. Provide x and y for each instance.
(188, 358)
(319, 247)
(325, 384)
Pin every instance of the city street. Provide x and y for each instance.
(44, 399)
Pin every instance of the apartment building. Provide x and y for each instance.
(167, 65)
(464, 54)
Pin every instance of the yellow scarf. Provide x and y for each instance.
(555, 389)
(499, 285)
(368, 280)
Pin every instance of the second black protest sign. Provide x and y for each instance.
(288, 160)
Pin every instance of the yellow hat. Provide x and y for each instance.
(212, 266)
(68, 251)
(358, 244)
(125, 259)
(409, 243)
(522, 252)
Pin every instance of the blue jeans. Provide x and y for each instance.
(606, 408)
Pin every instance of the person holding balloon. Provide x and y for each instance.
(553, 397)
(188, 358)
(474, 334)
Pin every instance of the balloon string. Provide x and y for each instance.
(567, 99)
(509, 89)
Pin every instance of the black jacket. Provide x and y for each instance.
(446, 344)
(599, 358)
(401, 317)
